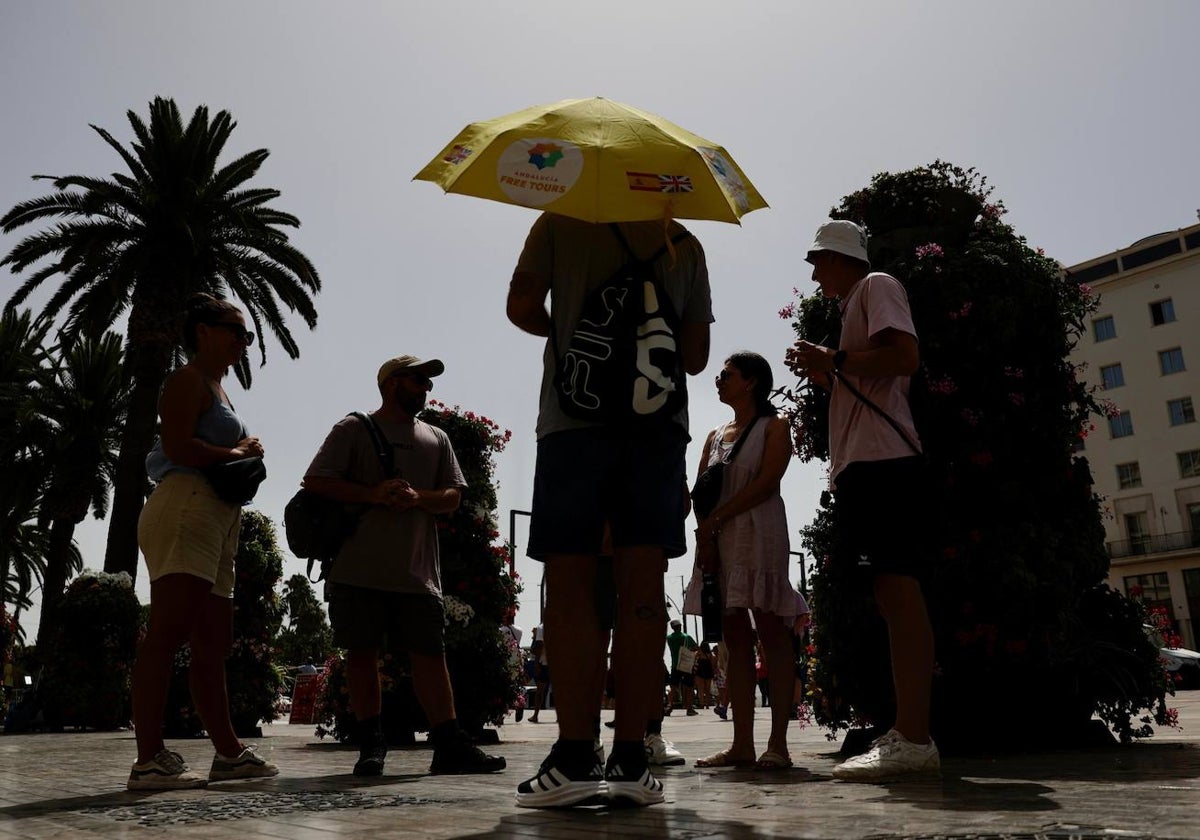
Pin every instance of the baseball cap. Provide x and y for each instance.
(675, 622)
(429, 367)
(842, 237)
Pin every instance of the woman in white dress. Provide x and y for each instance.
(745, 538)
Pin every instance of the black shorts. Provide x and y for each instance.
(880, 518)
(587, 478)
(679, 678)
(372, 618)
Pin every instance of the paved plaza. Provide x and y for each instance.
(73, 785)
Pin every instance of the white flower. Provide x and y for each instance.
(458, 610)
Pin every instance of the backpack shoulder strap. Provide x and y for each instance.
(662, 249)
(741, 439)
(383, 448)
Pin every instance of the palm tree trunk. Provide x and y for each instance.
(129, 485)
(62, 532)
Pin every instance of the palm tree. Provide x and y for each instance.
(141, 242)
(22, 372)
(84, 402)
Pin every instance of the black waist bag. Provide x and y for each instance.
(237, 481)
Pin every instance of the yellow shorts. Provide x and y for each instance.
(185, 528)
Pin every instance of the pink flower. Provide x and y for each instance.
(1016, 399)
(931, 250)
(788, 311)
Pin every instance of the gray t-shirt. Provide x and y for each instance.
(390, 550)
(578, 256)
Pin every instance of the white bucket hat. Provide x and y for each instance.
(841, 237)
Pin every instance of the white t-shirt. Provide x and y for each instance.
(539, 635)
(856, 433)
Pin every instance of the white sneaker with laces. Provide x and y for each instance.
(245, 765)
(166, 771)
(889, 757)
(662, 752)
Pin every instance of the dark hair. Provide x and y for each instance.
(203, 309)
(753, 366)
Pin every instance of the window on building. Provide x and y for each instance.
(1181, 411)
(1121, 425)
(1191, 591)
(1104, 328)
(1129, 475)
(1193, 518)
(1171, 361)
(1162, 312)
(1189, 463)
(1111, 376)
(1137, 529)
(1153, 590)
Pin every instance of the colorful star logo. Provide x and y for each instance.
(545, 155)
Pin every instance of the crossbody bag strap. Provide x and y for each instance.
(871, 405)
(741, 439)
(383, 447)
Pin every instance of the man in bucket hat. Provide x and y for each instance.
(386, 580)
(875, 469)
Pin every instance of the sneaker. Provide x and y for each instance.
(246, 765)
(692, 712)
(632, 785)
(462, 758)
(371, 757)
(890, 756)
(166, 771)
(560, 783)
(721, 711)
(662, 752)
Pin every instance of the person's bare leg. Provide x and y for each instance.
(573, 643)
(639, 638)
(362, 678)
(174, 611)
(910, 636)
(776, 637)
(211, 641)
(739, 680)
(431, 684)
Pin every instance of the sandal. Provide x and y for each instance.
(724, 758)
(771, 760)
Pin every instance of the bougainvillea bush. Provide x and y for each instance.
(89, 657)
(253, 680)
(1030, 641)
(479, 591)
(8, 638)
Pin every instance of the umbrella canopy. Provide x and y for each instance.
(596, 160)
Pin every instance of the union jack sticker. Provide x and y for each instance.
(458, 154)
(674, 183)
(649, 182)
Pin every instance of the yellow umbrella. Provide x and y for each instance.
(597, 160)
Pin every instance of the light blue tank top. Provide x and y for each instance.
(219, 426)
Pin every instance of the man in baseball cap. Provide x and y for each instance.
(876, 473)
(386, 579)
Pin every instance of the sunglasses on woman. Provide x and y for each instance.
(244, 335)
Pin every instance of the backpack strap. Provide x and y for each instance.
(662, 249)
(741, 439)
(383, 448)
(891, 421)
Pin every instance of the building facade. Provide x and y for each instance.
(1142, 348)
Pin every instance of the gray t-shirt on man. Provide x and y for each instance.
(390, 550)
(578, 256)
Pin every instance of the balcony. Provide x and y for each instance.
(1179, 541)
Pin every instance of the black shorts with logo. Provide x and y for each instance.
(881, 519)
(370, 618)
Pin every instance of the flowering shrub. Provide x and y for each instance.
(8, 637)
(478, 591)
(89, 658)
(1021, 615)
(254, 682)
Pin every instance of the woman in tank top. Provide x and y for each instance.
(188, 536)
(745, 539)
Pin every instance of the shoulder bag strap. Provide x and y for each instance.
(867, 402)
(741, 439)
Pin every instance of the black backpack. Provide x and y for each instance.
(622, 365)
(316, 526)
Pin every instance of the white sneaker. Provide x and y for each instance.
(166, 771)
(662, 752)
(890, 756)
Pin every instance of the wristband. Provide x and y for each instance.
(839, 358)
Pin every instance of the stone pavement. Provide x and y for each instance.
(72, 786)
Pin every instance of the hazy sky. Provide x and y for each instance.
(1081, 114)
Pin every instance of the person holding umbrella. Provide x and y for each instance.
(590, 473)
